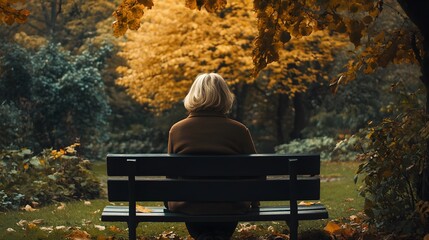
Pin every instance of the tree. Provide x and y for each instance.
(163, 59)
(71, 23)
(61, 94)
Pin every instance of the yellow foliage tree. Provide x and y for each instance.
(175, 44)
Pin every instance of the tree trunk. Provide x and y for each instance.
(240, 99)
(300, 118)
(418, 11)
(283, 102)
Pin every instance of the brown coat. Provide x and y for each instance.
(209, 133)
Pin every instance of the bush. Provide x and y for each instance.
(322, 145)
(391, 166)
(60, 95)
(52, 176)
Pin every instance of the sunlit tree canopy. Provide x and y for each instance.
(175, 44)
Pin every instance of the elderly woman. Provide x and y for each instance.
(207, 130)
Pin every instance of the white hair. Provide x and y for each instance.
(209, 92)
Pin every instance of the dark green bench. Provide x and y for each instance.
(142, 177)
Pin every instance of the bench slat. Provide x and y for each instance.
(205, 165)
(120, 214)
(262, 209)
(208, 190)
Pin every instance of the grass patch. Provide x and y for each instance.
(338, 193)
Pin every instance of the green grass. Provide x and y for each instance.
(338, 193)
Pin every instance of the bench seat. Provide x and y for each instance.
(160, 214)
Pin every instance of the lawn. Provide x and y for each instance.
(73, 219)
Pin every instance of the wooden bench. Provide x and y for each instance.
(142, 177)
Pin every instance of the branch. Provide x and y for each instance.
(416, 49)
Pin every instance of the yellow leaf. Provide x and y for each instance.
(61, 207)
(28, 208)
(332, 227)
(302, 203)
(26, 166)
(142, 209)
(32, 226)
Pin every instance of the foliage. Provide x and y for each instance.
(10, 14)
(175, 44)
(14, 125)
(136, 139)
(391, 166)
(61, 94)
(280, 21)
(322, 145)
(51, 176)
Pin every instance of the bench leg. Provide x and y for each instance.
(132, 228)
(293, 229)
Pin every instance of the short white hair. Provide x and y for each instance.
(209, 92)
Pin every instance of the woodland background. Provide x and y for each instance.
(67, 83)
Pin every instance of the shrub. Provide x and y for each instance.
(61, 95)
(51, 176)
(391, 165)
(322, 145)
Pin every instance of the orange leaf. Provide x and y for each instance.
(332, 227)
(79, 235)
(426, 237)
(114, 228)
(142, 209)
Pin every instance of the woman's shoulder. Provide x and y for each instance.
(236, 123)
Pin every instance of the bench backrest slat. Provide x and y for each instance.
(214, 190)
(200, 165)
(152, 169)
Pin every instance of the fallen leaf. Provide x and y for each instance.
(142, 209)
(22, 223)
(62, 206)
(49, 229)
(37, 221)
(349, 199)
(426, 237)
(60, 227)
(114, 228)
(79, 235)
(331, 227)
(10, 230)
(302, 203)
(99, 227)
(87, 203)
(31, 226)
(29, 208)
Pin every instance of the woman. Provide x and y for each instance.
(207, 130)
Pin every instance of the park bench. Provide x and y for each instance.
(142, 177)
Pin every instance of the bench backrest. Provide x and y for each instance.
(228, 177)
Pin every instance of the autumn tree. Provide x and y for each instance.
(71, 23)
(163, 59)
